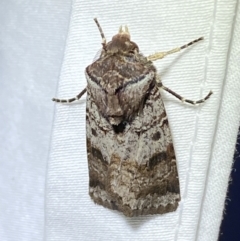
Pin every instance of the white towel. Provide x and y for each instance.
(204, 136)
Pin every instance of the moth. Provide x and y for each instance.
(131, 158)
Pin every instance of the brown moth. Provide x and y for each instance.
(131, 159)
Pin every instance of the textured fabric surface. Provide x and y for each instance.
(196, 130)
(39, 47)
(32, 41)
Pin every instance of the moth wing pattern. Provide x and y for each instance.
(135, 171)
(131, 158)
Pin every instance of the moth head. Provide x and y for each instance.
(121, 43)
(123, 30)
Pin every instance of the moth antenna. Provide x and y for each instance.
(104, 41)
(161, 55)
(120, 29)
(127, 30)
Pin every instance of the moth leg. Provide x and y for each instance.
(72, 99)
(161, 55)
(160, 85)
(104, 41)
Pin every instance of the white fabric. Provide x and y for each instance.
(204, 136)
(32, 41)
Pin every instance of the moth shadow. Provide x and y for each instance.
(136, 222)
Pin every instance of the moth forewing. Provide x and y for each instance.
(131, 158)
